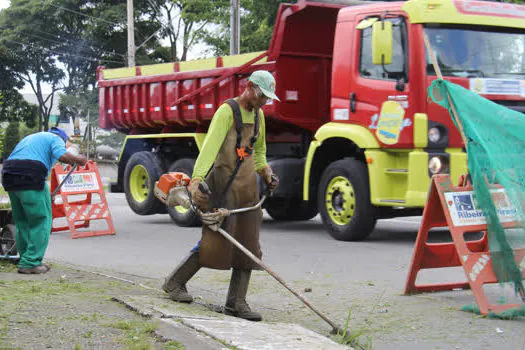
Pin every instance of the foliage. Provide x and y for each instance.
(16, 108)
(33, 61)
(38, 37)
(11, 138)
(77, 105)
(25, 130)
(184, 24)
(257, 21)
(114, 140)
(2, 135)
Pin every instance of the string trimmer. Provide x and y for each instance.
(171, 189)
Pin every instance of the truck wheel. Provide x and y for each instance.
(344, 201)
(7, 240)
(141, 173)
(180, 215)
(284, 209)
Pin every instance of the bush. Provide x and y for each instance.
(11, 138)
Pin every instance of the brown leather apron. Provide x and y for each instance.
(215, 251)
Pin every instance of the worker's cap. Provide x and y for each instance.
(60, 132)
(266, 82)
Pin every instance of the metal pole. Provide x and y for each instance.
(88, 130)
(131, 35)
(235, 28)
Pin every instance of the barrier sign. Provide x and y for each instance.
(83, 182)
(464, 210)
(79, 182)
(456, 207)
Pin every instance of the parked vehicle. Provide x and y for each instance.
(355, 136)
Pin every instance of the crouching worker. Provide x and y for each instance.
(237, 128)
(24, 176)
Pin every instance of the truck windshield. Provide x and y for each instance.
(477, 52)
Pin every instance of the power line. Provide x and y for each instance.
(67, 41)
(87, 58)
(83, 14)
(95, 18)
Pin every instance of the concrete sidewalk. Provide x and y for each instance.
(197, 326)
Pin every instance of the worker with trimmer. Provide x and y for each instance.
(234, 150)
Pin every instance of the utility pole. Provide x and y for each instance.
(235, 28)
(131, 35)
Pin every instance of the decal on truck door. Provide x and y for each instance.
(390, 122)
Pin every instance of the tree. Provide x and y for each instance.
(33, 59)
(184, 24)
(16, 108)
(11, 138)
(257, 21)
(46, 39)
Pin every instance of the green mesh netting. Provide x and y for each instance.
(510, 314)
(496, 155)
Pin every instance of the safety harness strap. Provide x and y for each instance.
(241, 152)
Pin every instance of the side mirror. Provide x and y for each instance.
(382, 39)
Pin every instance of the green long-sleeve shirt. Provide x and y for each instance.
(220, 125)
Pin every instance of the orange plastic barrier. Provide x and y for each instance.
(84, 181)
(454, 207)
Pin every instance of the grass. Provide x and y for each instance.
(19, 297)
(137, 333)
(354, 338)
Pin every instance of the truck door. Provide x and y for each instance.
(379, 94)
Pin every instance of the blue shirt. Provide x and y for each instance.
(43, 146)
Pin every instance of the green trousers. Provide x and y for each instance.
(33, 221)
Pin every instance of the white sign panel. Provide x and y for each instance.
(464, 209)
(498, 86)
(79, 182)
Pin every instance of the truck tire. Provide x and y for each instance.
(142, 171)
(344, 201)
(181, 216)
(7, 241)
(285, 209)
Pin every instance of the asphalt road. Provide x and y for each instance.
(359, 281)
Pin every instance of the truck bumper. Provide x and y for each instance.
(401, 178)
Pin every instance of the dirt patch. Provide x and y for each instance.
(71, 309)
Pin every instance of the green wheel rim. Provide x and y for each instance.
(139, 183)
(180, 209)
(340, 200)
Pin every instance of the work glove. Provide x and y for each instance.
(214, 218)
(199, 198)
(271, 180)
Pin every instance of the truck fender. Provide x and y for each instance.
(357, 134)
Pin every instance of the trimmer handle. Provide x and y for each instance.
(203, 187)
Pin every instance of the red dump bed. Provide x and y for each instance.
(169, 97)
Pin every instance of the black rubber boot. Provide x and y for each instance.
(236, 304)
(175, 283)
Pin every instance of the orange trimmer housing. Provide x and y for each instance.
(171, 180)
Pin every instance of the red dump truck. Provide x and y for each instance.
(355, 136)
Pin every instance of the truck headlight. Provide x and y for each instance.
(434, 135)
(435, 165)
